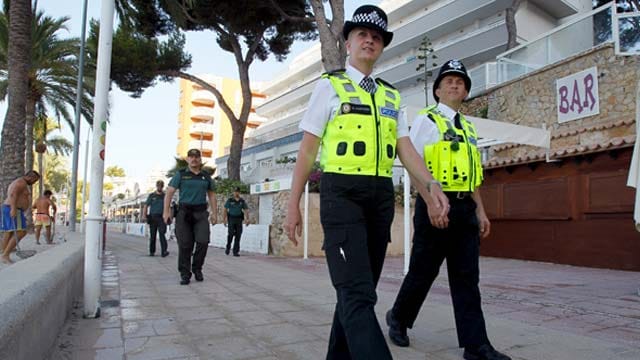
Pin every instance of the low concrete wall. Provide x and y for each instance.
(36, 294)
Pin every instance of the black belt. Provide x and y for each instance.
(193, 208)
(458, 195)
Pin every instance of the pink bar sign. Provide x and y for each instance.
(577, 95)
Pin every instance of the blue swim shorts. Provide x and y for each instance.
(11, 224)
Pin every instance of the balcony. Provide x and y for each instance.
(478, 46)
(292, 98)
(200, 113)
(203, 97)
(201, 129)
(255, 119)
(204, 145)
(576, 36)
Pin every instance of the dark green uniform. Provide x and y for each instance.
(192, 221)
(235, 216)
(155, 203)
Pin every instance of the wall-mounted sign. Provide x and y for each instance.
(271, 186)
(577, 95)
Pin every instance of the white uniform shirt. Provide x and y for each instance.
(324, 103)
(425, 132)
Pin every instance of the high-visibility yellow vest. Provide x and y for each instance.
(455, 159)
(361, 137)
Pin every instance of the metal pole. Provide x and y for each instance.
(93, 237)
(306, 220)
(407, 215)
(76, 130)
(83, 225)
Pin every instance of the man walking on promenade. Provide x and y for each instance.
(448, 143)
(361, 127)
(235, 212)
(155, 206)
(192, 223)
(43, 218)
(12, 220)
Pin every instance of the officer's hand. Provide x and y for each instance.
(225, 224)
(246, 222)
(292, 224)
(166, 216)
(483, 223)
(438, 208)
(213, 219)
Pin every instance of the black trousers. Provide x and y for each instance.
(157, 224)
(234, 232)
(356, 214)
(459, 245)
(192, 229)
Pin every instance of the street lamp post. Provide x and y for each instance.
(93, 236)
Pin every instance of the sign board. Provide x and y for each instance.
(255, 238)
(271, 186)
(577, 95)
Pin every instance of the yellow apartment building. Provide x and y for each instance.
(201, 122)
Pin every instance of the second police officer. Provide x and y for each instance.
(448, 143)
(361, 127)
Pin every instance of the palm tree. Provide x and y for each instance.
(182, 164)
(52, 76)
(16, 62)
(46, 141)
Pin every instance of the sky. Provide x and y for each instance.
(141, 136)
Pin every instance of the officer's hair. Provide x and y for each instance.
(32, 173)
(47, 192)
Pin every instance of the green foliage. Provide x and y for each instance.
(120, 196)
(53, 69)
(56, 174)
(286, 160)
(483, 112)
(314, 178)
(426, 55)
(138, 60)
(114, 171)
(227, 186)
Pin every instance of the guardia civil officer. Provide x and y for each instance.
(155, 206)
(361, 127)
(236, 212)
(192, 222)
(448, 143)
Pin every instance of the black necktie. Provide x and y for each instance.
(456, 121)
(368, 85)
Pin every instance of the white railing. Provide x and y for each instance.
(583, 33)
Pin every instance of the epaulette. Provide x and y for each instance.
(334, 72)
(385, 83)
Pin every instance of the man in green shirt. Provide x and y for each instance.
(192, 222)
(235, 211)
(154, 206)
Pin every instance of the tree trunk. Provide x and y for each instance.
(12, 150)
(332, 48)
(41, 171)
(510, 19)
(30, 118)
(235, 152)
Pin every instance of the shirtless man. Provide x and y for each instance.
(12, 220)
(42, 218)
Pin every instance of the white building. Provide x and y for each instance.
(473, 31)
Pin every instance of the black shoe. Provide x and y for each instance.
(236, 254)
(152, 254)
(198, 275)
(397, 332)
(165, 254)
(226, 251)
(185, 281)
(484, 352)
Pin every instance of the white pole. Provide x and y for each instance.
(407, 219)
(93, 236)
(306, 221)
(83, 225)
(76, 130)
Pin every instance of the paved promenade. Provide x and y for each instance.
(261, 307)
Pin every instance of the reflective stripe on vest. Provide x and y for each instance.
(361, 137)
(456, 170)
